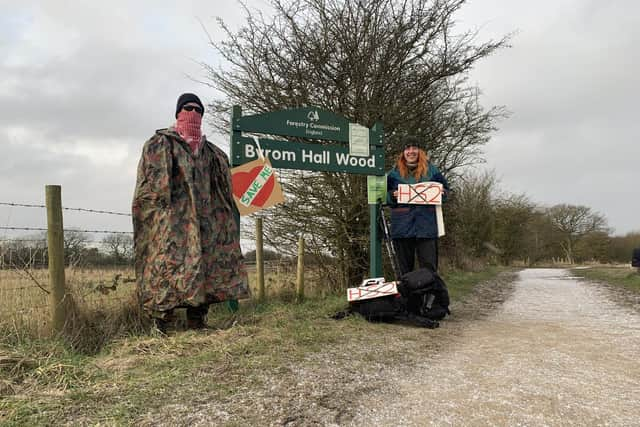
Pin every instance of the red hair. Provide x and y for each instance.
(420, 170)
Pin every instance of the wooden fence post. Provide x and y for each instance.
(55, 240)
(259, 260)
(300, 276)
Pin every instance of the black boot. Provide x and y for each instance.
(196, 317)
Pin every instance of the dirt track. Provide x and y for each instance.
(559, 351)
(536, 348)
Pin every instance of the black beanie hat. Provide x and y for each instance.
(412, 141)
(185, 98)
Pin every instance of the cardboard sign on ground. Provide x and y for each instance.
(380, 289)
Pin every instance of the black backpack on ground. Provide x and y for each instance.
(426, 294)
(387, 309)
(381, 309)
(423, 300)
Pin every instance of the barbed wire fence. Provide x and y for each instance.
(98, 266)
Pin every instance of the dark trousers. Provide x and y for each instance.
(425, 249)
(196, 313)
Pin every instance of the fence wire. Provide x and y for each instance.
(107, 278)
(26, 205)
(24, 276)
(66, 230)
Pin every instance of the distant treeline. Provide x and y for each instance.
(114, 250)
(483, 223)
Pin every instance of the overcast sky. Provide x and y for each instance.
(84, 84)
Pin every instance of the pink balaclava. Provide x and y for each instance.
(188, 125)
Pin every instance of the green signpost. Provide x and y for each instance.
(330, 150)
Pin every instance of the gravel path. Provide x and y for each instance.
(535, 348)
(559, 351)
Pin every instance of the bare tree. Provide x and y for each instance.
(471, 220)
(75, 243)
(513, 217)
(401, 62)
(573, 223)
(119, 247)
(593, 246)
(542, 238)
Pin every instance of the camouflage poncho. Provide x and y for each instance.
(187, 251)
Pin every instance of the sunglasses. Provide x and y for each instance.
(192, 107)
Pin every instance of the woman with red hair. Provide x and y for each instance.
(414, 228)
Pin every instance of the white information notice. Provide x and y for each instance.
(358, 140)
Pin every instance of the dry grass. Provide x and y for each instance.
(96, 310)
(101, 308)
(620, 275)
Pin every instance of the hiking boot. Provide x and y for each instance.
(196, 317)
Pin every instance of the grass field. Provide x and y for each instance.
(45, 381)
(624, 276)
(97, 293)
(26, 304)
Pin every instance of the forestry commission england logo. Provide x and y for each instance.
(313, 116)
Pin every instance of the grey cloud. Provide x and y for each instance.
(571, 82)
(98, 92)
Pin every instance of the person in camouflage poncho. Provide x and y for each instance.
(187, 249)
